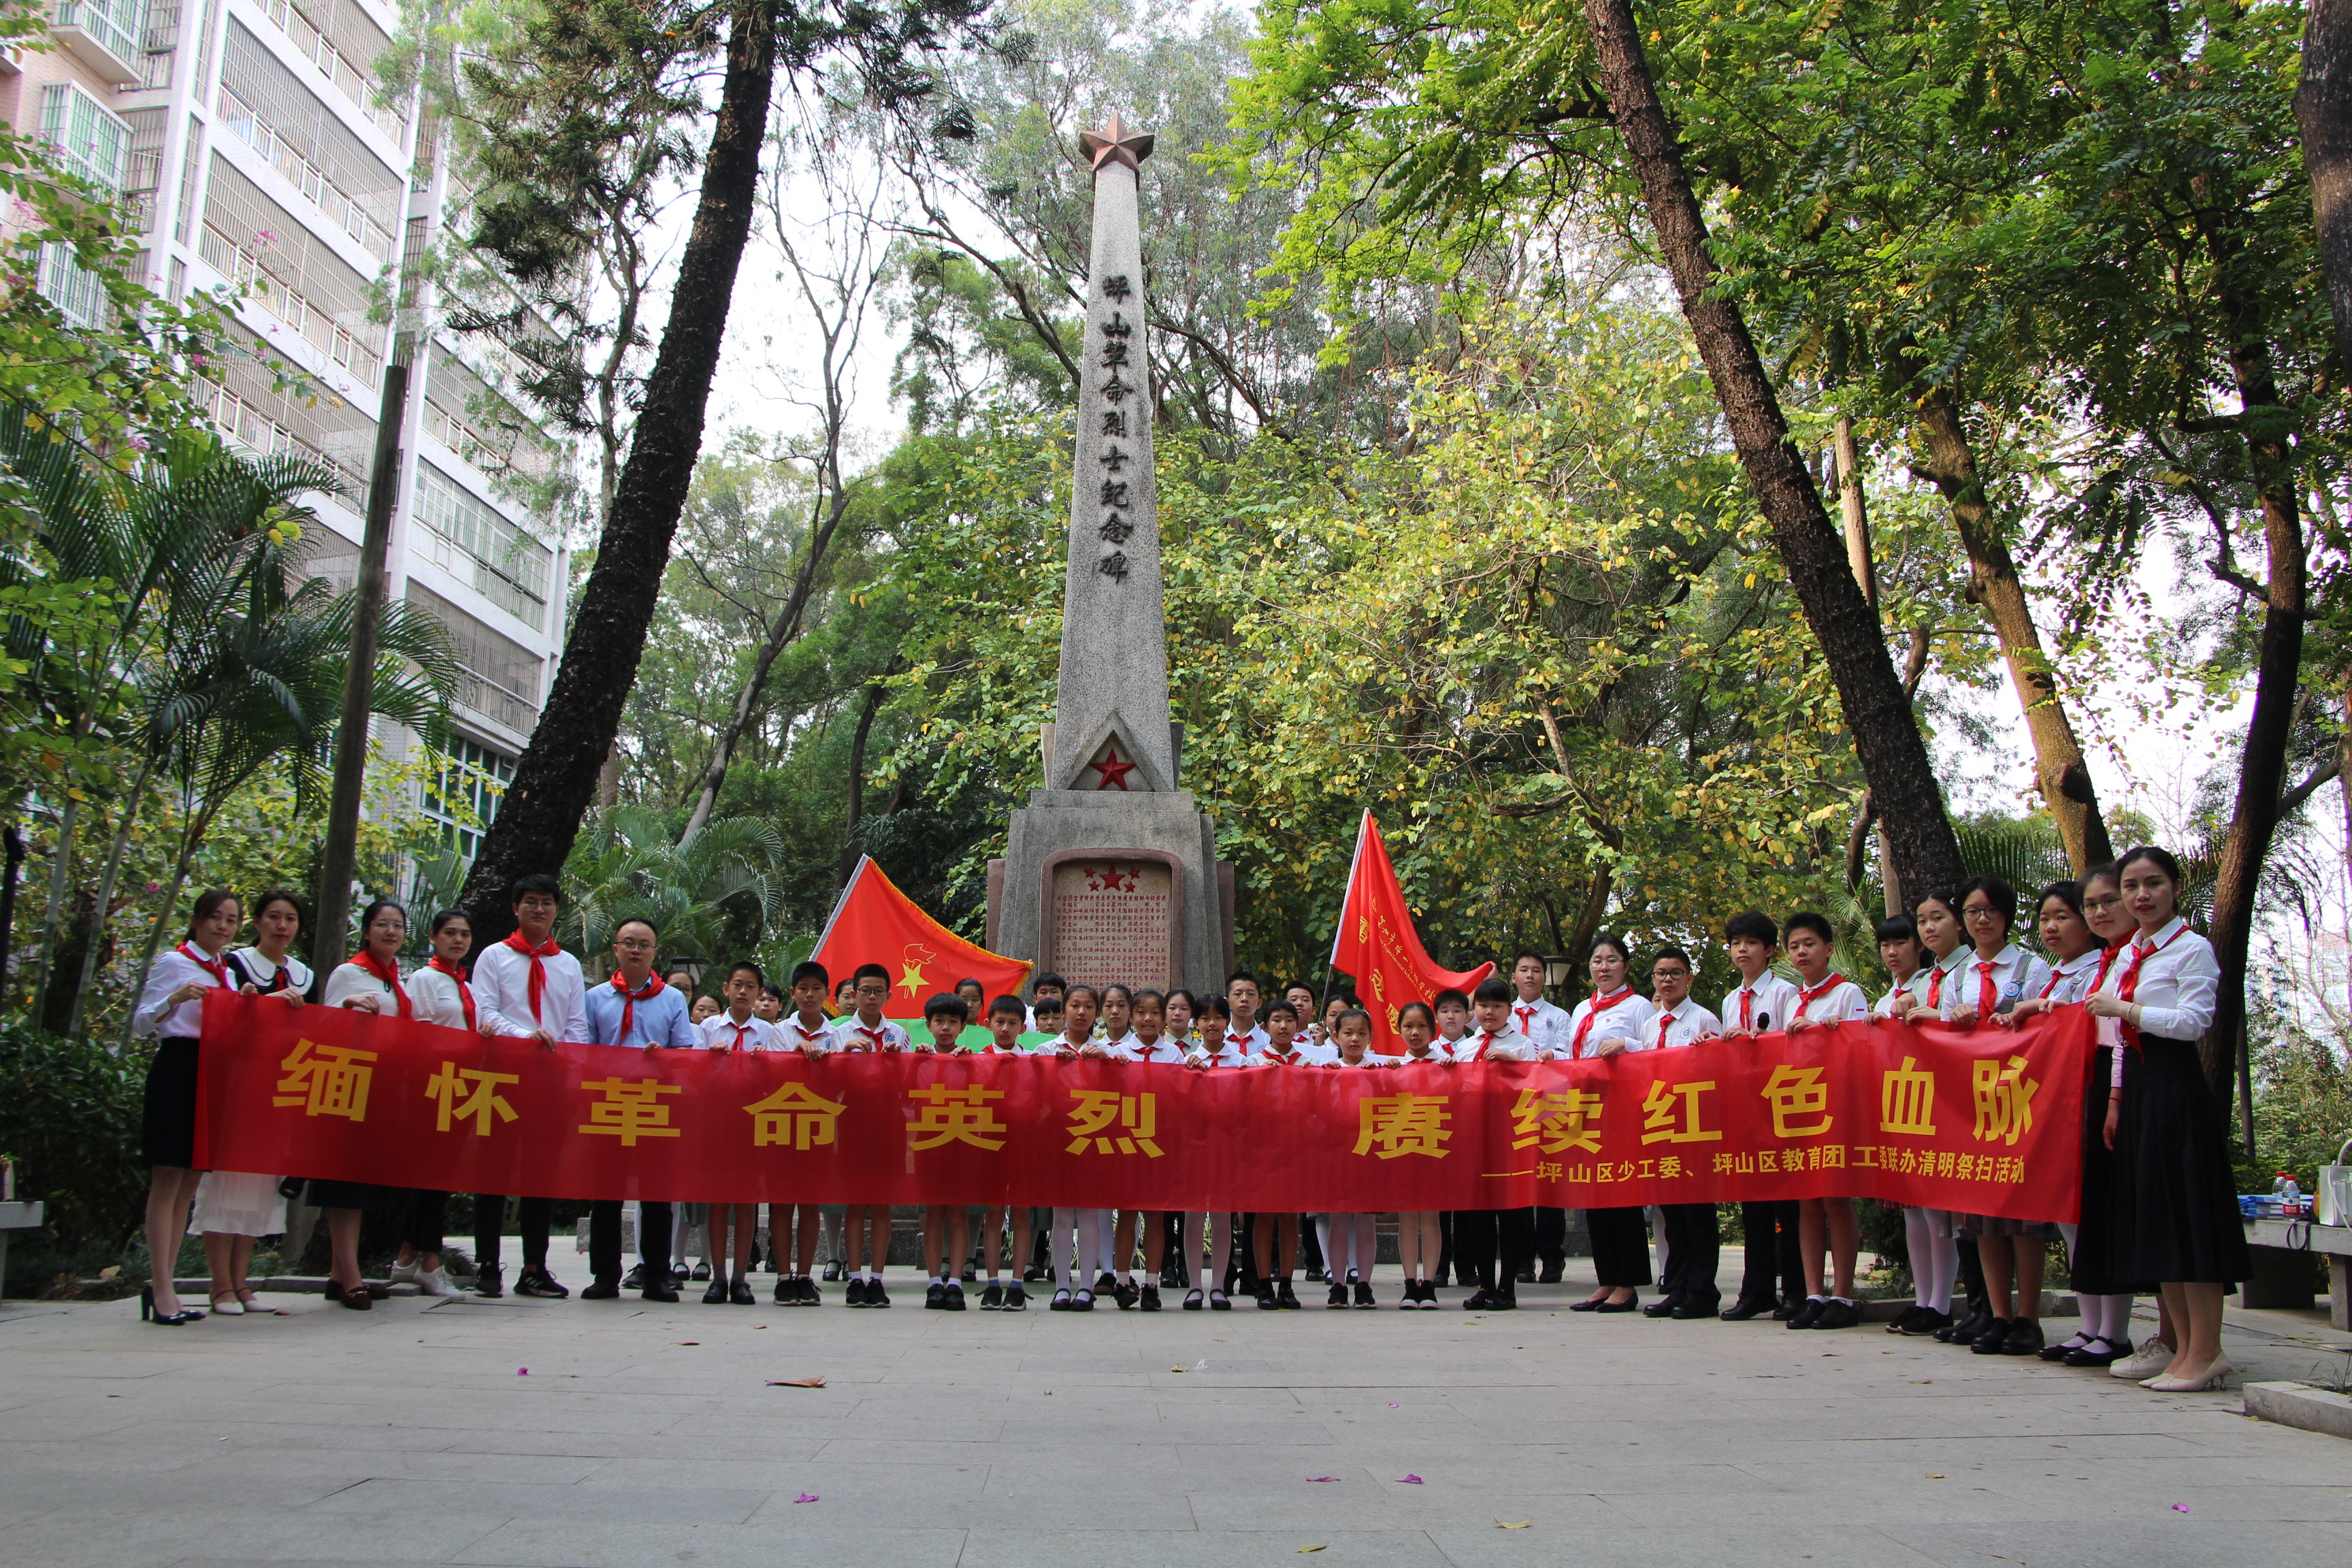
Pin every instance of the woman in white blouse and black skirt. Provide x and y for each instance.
(371, 982)
(2174, 1191)
(172, 1006)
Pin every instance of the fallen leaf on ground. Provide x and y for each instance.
(1935, 1478)
(1521, 1525)
(689, 1342)
(1179, 1369)
(1311, 1548)
(795, 1383)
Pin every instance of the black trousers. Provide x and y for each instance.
(1494, 1244)
(421, 1221)
(1973, 1279)
(1310, 1245)
(1620, 1246)
(1774, 1273)
(1551, 1236)
(653, 1238)
(490, 1225)
(1694, 1250)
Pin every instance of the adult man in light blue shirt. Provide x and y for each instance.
(637, 1010)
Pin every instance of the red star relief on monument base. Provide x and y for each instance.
(1113, 771)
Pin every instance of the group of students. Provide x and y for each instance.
(2158, 1210)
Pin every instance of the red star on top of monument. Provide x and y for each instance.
(1113, 145)
(1112, 770)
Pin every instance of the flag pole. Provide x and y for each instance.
(840, 904)
(1355, 862)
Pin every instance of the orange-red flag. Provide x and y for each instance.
(1379, 947)
(876, 923)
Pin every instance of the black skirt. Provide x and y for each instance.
(2174, 1198)
(328, 1194)
(1620, 1247)
(167, 1123)
(2093, 1267)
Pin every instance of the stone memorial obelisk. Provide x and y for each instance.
(1110, 872)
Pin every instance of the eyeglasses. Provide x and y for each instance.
(2107, 903)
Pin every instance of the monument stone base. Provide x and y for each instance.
(1102, 885)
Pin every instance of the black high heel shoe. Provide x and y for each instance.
(148, 1314)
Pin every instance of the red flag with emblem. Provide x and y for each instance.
(876, 923)
(1379, 947)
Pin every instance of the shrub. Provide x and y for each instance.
(69, 1114)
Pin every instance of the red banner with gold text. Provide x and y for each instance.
(1986, 1120)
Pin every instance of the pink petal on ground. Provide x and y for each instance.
(1410, 1480)
(805, 1497)
(1322, 1477)
(2181, 1508)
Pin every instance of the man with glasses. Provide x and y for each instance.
(637, 1011)
(1693, 1244)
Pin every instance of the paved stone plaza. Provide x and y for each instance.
(651, 1435)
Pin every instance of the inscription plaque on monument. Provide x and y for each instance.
(1113, 922)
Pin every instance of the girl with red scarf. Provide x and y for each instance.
(371, 983)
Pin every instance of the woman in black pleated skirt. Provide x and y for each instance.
(2173, 1200)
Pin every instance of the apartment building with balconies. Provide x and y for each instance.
(258, 155)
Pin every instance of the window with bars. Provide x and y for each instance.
(253, 241)
(115, 24)
(265, 106)
(500, 677)
(472, 541)
(88, 138)
(463, 792)
(251, 409)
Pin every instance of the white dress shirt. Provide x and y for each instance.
(248, 967)
(791, 1035)
(851, 1034)
(1626, 1018)
(346, 981)
(502, 984)
(1501, 1045)
(1164, 1049)
(1771, 1001)
(2179, 982)
(1933, 981)
(1548, 1025)
(1685, 1024)
(1456, 1049)
(1224, 1054)
(2069, 980)
(2016, 975)
(754, 1034)
(1838, 1002)
(155, 1014)
(1249, 1044)
(434, 997)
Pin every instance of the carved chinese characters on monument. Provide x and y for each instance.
(1112, 922)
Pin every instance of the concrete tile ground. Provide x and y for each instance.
(645, 1436)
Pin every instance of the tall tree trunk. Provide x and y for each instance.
(1893, 754)
(53, 911)
(871, 705)
(106, 878)
(2058, 766)
(781, 632)
(2322, 110)
(556, 777)
(2278, 670)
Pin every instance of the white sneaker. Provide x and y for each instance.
(408, 1273)
(2150, 1359)
(435, 1282)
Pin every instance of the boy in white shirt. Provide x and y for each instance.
(738, 1028)
(1497, 1243)
(1006, 1020)
(1146, 1040)
(1761, 1002)
(1452, 1010)
(866, 1226)
(794, 1229)
(1824, 1000)
(1244, 998)
(1533, 1017)
(1693, 1243)
(947, 1227)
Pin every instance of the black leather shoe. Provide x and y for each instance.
(635, 1279)
(716, 1296)
(935, 1298)
(1966, 1330)
(740, 1293)
(1552, 1273)
(2098, 1352)
(1147, 1297)
(1745, 1307)
(1526, 1276)
(1265, 1301)
(2024, 1338)
(787, 1290)
(599, 1290)
(1477, 1301)
(1788, 1309)
(1901, 1322)
(1629, 1304)
(701, 1271)
(1928, 1322)
(1989, 1341)
(2064, 1348)
(1836, 1314)
(1802, 1318)
(1592, 1305)
(488, 1283)
(1664, 1306)
(662, 1293)
(1686, 1310)
(1286, 1297)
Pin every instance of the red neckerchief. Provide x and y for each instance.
(1598, 1005)
(740, 1029)
(1935, 982)
(1525, 1016)
(1805, 997)
(2129, 984)
(881, 1036)
(805, 1033)
(1665, 1020)
(216, 967)
(390, 975)
(465, 992)
(1747, 1006)
(629, 1000)
(2106, 962)
(1285, 1057)
(281, 975)
(1485, 1037)
(538, 970)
